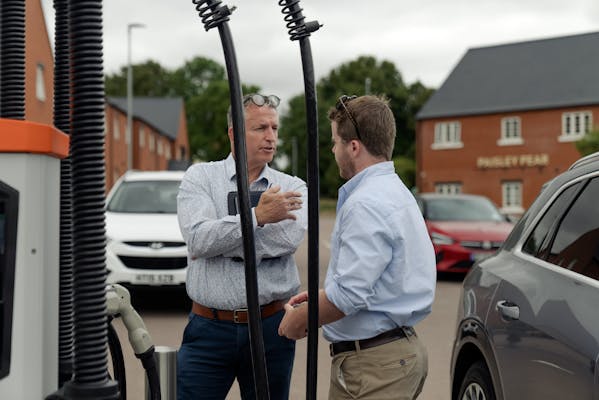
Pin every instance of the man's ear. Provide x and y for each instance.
(355, 146)
(231, 136)
(231, 139)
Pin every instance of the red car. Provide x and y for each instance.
(463, 228)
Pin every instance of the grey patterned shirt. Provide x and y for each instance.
(216, 272)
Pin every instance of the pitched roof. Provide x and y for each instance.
(538, 74)
(161, 113)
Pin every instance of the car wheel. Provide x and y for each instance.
(477, 384)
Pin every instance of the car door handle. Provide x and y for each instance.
(508, 309)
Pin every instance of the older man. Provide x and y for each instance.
(215, 349)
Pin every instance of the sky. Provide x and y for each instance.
(425, 39)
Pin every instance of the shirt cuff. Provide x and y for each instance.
(254, 219)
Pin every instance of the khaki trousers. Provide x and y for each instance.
(395, 370)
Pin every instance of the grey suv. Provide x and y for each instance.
(528, 321)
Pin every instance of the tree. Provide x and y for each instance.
(351, 78)
(589, 143)
(149, 79)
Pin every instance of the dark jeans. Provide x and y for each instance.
(214, 353)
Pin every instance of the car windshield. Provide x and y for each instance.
(145, 197)
(461, 209)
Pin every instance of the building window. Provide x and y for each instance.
(575, 125)
(448, 135)
(448, 188)
(512, 197)
(159, 147)
(40, 83)
(152, 141)
(167, 151)
(511, 133)
(116, 129)
(142, 137)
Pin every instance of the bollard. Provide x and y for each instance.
(166, 364)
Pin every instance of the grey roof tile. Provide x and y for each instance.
(161, 113)
(538, 74)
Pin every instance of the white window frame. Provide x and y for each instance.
(448, 187)
(511, 132)
(575, 125)
(448, 135)
(116, 128)
(40, 83)
(511, 197)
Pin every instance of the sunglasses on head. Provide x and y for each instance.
(260, 100)
(341, 105)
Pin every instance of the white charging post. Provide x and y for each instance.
(30, 156)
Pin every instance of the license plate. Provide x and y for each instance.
(155, 279)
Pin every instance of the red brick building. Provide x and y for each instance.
(505, 120)
(39, 66)
(159, 135)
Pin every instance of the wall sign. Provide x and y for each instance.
(512, 161)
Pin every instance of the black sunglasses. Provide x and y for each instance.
(260, 100)
(341, 103)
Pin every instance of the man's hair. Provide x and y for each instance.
(374, 120)
(246, 101)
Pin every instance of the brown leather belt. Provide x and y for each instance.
(239, 316)
(385, 337)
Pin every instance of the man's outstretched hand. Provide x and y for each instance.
(275, 206)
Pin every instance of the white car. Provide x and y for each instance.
(144, 243)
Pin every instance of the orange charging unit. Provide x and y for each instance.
(30, 155)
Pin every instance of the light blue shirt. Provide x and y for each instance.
(382, 271)
(214, 238)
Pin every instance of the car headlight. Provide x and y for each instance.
(440, 239)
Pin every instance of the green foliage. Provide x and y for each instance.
(589, 143)
(406, 169)
(203, 85)
(149, 79)
(350, 78)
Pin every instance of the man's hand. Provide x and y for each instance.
(275, 206)
(294, 324)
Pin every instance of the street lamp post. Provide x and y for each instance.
(129, 135)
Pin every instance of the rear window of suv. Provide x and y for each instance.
(154, 197)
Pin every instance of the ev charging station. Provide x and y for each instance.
(30, 156)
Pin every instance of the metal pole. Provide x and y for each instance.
(129, 133)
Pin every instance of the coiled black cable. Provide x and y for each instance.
(149, 363)
(212, 13)
(62, 120)
(298, 30)
(118, 360)
(90, 372)
(12, 59)
(296, 27)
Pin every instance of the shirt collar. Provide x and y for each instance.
(266, 173)
(381, 168)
